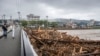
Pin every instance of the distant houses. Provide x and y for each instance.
(71, 24)
(9, 21)
(97, 23)
(91, 22)
(78, 23)
(61, 22)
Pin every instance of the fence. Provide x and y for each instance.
(26, 47)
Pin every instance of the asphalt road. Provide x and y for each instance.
(10, 46)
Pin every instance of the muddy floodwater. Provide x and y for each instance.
(90, 34)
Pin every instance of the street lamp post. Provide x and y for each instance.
(11, 20)
(11, 17)
(3, 17)
(2, 20)
(47, 21)
(19, 16)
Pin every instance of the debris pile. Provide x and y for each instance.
(54, 43)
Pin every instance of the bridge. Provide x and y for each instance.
(21, 46)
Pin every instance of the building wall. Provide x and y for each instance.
(32, 17)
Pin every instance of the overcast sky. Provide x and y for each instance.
(78, 9)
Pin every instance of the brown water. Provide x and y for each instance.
(92, 34)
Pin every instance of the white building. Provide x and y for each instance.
(71, 24)
(91, 22)
(33, 17)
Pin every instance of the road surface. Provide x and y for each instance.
(9, 46)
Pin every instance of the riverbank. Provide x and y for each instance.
(88, 34)
(75, 28)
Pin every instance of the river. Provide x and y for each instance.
(89, 34)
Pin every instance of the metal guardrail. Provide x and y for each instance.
(26, 47)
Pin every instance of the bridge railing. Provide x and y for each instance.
(26, 47)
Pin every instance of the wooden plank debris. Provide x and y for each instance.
(54, 43)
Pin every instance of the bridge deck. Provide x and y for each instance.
(9, 46)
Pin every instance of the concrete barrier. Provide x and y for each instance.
(26, 47)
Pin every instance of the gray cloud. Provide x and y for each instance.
(84, 9)
(76, 4)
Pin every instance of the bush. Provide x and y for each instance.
(24, 23)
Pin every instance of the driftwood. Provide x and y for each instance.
(54, 43)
